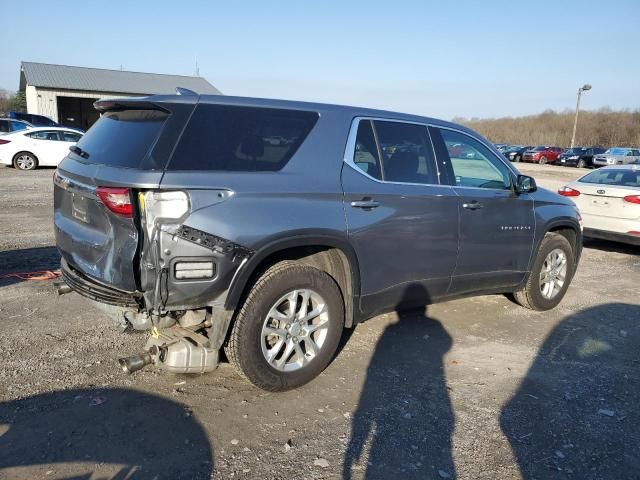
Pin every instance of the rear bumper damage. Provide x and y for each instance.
(186, 318)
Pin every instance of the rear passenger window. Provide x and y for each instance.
(406, 153)
(44, 135)
(365, 155)
(224, 138)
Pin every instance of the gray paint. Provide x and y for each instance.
(67, 77)
(418, 234)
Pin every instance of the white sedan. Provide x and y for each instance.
(44, 146)
(609, 202)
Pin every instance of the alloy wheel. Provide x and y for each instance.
(553, 273)
(25, 162)
(295, 330)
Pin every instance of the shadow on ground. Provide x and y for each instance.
(26, 260)
(608, 246)
(404, 417)
(576, 414)
(104, 433)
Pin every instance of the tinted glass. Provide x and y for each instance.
(228, 138)
(122, 139)
(540, 149)
(624, 177)
(406, 153)
(365, 155)
(17, 126)
(473, 164)
(70, 136)
(44, 135)
(4, 126)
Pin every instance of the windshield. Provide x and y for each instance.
(627, 177)
(617, 151)
(540, 149)
(575, 151)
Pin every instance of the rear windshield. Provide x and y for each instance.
(122, 139)
(226, 138)
(623, 177)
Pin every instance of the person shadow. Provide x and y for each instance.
(114, 433)
(575, 415)
(404, 416)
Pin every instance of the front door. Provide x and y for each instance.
(401, 221)
(497, 226)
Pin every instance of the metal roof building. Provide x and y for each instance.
(66, 93)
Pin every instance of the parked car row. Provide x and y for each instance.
(581, 157)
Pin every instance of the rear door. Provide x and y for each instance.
(402, 222)
(123, 153)
(496, 225)
(46, 146)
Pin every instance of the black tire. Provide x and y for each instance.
(517, 158)
(530, 296)
(244, 346)
(543, 160)
(581, 163)
(30, 162)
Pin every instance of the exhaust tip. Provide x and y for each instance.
(134, 363)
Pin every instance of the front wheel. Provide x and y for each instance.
(288, 328)
(581, 163)
(542, 160)
(25, 161)
(550, 276)
(517, 158)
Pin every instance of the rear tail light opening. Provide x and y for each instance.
(116, 199)
(569, 192)
(632, 199)
(4, 142)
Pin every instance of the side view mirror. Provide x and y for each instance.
(525, 184)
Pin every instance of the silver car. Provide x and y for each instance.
(617, 156)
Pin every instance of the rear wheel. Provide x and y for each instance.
(550, 276)
(288, 328)
(25, 161)
(542, 160)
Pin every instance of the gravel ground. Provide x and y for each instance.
(472, 389)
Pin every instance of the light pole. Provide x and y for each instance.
(583, 88)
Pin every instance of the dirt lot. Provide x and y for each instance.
(476, 389)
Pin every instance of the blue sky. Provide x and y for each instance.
(436, 58)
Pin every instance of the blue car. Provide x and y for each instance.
(39, 120)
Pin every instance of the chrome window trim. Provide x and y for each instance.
(351, 146)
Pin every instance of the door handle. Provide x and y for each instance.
(365, 203)
(473, 205)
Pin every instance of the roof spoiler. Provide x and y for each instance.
(111, 105)
(184, 91)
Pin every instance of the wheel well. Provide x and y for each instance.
(330, 260)
(568, 233)
(21, 152)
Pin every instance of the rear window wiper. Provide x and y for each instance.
(78, 151)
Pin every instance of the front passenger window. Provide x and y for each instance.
(473, 164)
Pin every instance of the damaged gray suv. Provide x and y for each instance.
(266, 227)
